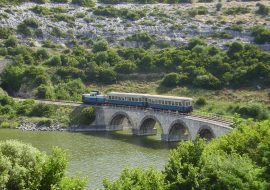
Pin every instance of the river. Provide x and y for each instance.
(98, 155)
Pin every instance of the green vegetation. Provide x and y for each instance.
(6, 33)
(25, 167)
(263, 9)
(87, 115)
(237, 160)
(13, 113)
(237, 10)
(64, 74)
(145, 1)
(84, 3)
(261, 34)
(110, 11)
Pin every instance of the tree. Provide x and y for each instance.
(101, 45)
(171, 80)
(223, 171)
(24, 167)
(42, 54)
(45, 92)
(107, 76)
(137, 179)
(125, 67)
(12, 78)
(182, 169)
(195, 41)
(87, 115)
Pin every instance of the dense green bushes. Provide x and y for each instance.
(261, 34)
(238, 160)
(145, 1)
(6, 32)
(110, 11)
(84, 3)
(87, 115)
(197, 64)
(25, 167)
(25, 108)
(237, 10)
(263, 9)
(251, 110)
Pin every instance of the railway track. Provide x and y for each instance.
(205, 116)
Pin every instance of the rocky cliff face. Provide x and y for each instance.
(165, 24)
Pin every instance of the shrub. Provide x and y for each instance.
(43, 110)
(5, 33)
(251, 110)
(31, 23)
(12, 78)
(170, 80)
(55, 61)
(25, 167)
(57, 32)
(201, 101)
(42, 54)
(237, 10)
(101, 45)
(207, 81)
(107, 76)
(59, 1)
(11, 42)
(87, 115)
(263, 9)
(137, 179)
(219, 6)
(45, 92)
(261, 34)
(84, 3)
(125, 67)
(7, 124)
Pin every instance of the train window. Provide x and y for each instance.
(176, 103)
(140, 99)
(173, 103)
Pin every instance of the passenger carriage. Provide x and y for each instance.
(174, 103)
(128, 99)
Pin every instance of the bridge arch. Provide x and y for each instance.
(206, 132)
(118, 118)
(147, 125)
(178, 131)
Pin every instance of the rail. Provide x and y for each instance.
(201, 115)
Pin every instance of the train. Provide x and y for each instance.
(172, 103)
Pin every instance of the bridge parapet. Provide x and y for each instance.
(174, 126)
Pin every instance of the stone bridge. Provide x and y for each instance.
(174, 126)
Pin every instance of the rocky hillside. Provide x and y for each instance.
(139, 25)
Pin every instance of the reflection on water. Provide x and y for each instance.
(99, 154)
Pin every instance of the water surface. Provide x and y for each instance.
(98, 154)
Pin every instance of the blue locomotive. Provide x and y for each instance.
(173, 103)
